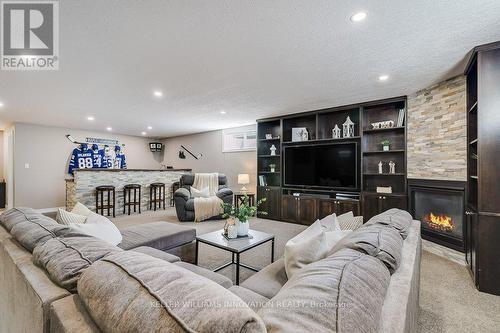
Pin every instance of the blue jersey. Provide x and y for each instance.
(81, 159)
(98, 157)
(120, 162)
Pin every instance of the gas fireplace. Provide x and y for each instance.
(440, 207)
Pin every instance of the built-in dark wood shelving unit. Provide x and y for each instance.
(314, 203)
(482, 232)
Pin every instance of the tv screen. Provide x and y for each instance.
(332, 165)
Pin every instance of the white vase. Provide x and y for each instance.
(242, 227)
(385, 148)
(232, 231)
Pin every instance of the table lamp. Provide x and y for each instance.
(243, 179)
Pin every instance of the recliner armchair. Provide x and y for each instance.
(184, 203)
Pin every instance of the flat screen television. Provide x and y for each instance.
(326, 165)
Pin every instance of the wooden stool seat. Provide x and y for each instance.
(127, 196)
(100, 205)
(156, 195)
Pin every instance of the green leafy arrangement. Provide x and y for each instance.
(385, 142)
(244, 211)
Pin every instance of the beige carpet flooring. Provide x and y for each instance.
(449, 301)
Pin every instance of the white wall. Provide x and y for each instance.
(47, 151)
(213, 160)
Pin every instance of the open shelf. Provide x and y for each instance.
(384, 151)
(273, 139)
(375, 130)
(383, 174)
(329, 118)
(269, 155)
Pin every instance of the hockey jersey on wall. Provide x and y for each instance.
(81, 158)
(98, 157)
(119, 162)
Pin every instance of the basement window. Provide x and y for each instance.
(239, 139)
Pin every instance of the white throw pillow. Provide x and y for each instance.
(307, 247)
(333, 237)
(203, 193)
(99, 227)
(330, 223)
(81, 209)
(67, 218)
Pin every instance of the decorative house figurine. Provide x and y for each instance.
(392, 167)
(336, 132)
(272, 167)
(348, 128)
(380, 167)
(269, 136)
(299, 134)
(273, 150)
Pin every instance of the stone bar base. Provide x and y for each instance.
(82, 187)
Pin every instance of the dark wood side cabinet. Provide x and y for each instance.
(272, 205)
(482, 232)
(374, 204)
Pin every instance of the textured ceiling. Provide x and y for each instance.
(252, 59)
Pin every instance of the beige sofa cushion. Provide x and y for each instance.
(341, 293)
(68, 315)
(65, 259)
(133, 292)
(397, 218)
(269, 280)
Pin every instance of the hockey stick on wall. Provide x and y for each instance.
(190, 153)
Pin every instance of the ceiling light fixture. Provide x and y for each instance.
(383, 77)
(358, 17)
(90, 118)
(109, 129)
(1, 105)
(158, 93)
(143, 133)
(150, 127)
(223, 112)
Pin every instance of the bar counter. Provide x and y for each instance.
(81, 188)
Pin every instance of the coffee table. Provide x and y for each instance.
(236, 246)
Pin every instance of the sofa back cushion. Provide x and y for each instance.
(341, 293)
(396, 218)
(380, 241)
(187, 180)
(65, 259)
(30, 228)
(133, 292)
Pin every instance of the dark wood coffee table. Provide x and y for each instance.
(236, 246)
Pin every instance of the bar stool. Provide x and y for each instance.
(154, 189)
(99, 205)
(127, 194)
(175, 187)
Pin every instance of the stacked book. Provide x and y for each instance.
(401, 117)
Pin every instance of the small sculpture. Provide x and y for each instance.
(348, 128)
(380, 167)
(273, 150)
(392, 167)
(336, 132)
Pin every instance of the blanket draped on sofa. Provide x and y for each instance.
(205, 208)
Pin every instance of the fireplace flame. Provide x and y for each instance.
(440, 222)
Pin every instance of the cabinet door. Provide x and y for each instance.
(371, 206)
(308, 212)
(344, 206)
(272, 205)
(289, 208)
(391, 201)
(325, 207)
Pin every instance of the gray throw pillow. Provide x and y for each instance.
(341, 293)
(397, 218)
(380, 241)
(66, 258)
(133, 292)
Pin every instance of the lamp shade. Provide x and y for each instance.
(243, 178)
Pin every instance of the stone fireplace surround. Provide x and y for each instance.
(446, 200)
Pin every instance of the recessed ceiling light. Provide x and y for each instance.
(90, 118)
(223, 112)
(143, 133)
(358, 17)
(383, 77)
(158, 93)
(1, 105)
(109, 129)
(150, 127)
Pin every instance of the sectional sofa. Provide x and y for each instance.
(53, 280)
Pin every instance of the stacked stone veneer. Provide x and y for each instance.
(437, 133)
(82, 187)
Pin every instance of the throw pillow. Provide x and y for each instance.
(348, 221)
(99, 227)
(330, 223)
(307, 247)
(333, 237)
(203, 193)
(81, 209)
(67, 218)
